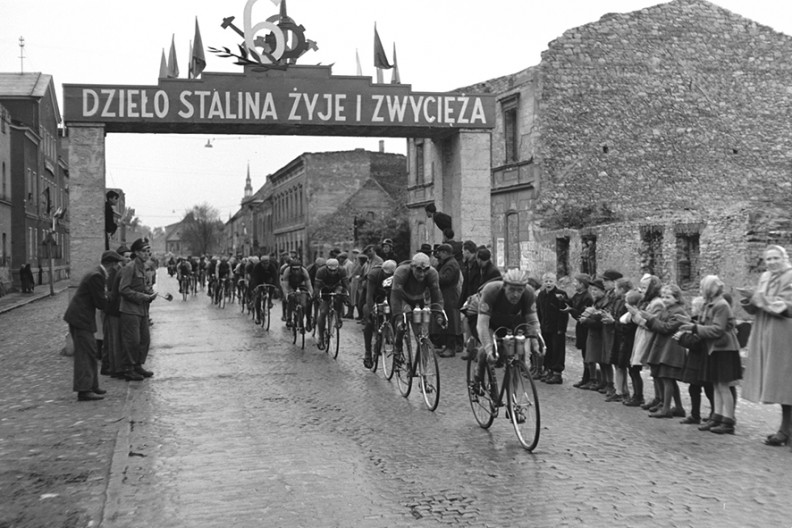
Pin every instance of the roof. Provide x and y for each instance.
(24, 84)
(33, 85)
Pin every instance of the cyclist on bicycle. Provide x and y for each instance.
(211, 270)
(295, 278)
(380, 281)
(330, 278)
(411, 281)
(264, 272)
(505, 303)
(183, 270)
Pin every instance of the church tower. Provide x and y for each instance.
(248, 185)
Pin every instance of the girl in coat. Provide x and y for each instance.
(716, 329)
(667, 357)
(652, 305)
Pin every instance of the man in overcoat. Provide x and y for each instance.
(81, 316)
(136, 296)
(449, 273)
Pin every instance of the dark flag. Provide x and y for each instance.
(380, 59)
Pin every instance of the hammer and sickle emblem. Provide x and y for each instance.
(267, 55)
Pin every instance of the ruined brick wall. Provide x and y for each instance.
(681, 107)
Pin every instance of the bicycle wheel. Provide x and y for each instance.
(333, 334)
(301, 326)
(523, 405)
(483, 398)
(402, 365)
(429, 376)
(294, 325)
(386, 351)
(183, 288)
(376, 349)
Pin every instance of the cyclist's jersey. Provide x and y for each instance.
(211, 267)
(185, 268)
(294, 281)
(407, 289)
(503, 313)
(223, 269)
(379, 286)
(328, 281)
(264, 273)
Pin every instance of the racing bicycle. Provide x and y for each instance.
(423, 364)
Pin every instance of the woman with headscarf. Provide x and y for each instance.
(716, 329)
(769, 365)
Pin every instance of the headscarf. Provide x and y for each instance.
(652, 290)
(784, 258)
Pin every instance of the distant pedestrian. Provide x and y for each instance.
(81, 316)
(26, 281)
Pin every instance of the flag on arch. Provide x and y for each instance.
(173, 64)
(163, 73)
(380, 59)
(197, 57)
(396, 78)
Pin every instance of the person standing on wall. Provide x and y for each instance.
(110, 224)
(81, 316)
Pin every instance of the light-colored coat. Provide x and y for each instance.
(768, 370)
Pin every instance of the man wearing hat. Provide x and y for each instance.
(387, 252)
(81, 316)
(373, 260)
(448, 277)
(426, 249)
(111, 348)
(136, 296)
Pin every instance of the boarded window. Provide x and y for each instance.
(511, 131)
(687, 245)
(651, 249)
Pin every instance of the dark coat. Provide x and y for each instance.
(448, 277)
(469, 272)
(666, 350)
(578, 303)
(89, 297)
(548, 308)
(487, 273)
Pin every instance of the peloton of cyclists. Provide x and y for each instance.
(330, 278)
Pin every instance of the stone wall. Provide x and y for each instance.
(679, 107)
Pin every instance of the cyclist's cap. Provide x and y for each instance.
(295, 263)
(343, 256)
(389, 266)
(356, 251)
(254, 259)
(421, 260)
(332, 264)
(387, 242)
(319, 262)
(265, 258)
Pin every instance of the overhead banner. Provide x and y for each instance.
(276, 101)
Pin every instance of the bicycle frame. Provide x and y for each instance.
(424, 366)
(333, 322)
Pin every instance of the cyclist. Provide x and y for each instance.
(183, 269)
(211, 270)
(264, 272)
(380, 280)
(411, 281)
(330, 278)
(294, 278)
(222, 273)
(505, 303)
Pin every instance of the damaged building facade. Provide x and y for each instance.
(653, 141)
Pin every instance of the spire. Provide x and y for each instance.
(283, 9)
(248, 185)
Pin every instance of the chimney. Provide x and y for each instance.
(382, 145)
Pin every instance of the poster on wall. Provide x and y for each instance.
(525, 257)
(500, 250)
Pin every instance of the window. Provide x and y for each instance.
(511, 132)
(562, 257)
(419, 163)
(687, 255)
(651, 249)
(588, 255)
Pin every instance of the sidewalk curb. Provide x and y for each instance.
(117, 470)
(35, 297)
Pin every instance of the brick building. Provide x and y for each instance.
(652, 141)
(309, 206)
(5, 198)
(38, 174)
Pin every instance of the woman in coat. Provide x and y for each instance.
(769, 366)
(653, 305)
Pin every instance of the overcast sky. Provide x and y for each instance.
(441, 45)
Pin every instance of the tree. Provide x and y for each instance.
(202, 229)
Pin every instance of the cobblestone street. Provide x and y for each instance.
(239, 427)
